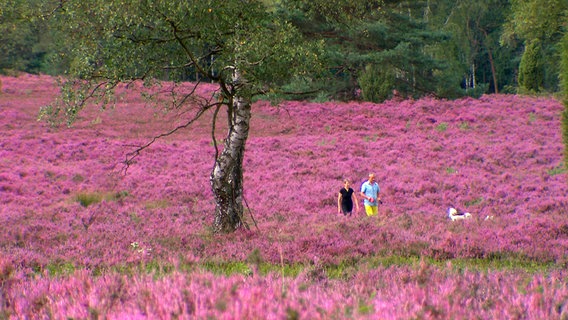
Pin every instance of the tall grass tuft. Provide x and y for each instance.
(86, 199)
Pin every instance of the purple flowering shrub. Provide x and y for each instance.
(387, 293)
(65, 203)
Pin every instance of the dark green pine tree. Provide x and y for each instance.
(373, 47)
(531, 68)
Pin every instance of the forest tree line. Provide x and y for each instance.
(445, 48)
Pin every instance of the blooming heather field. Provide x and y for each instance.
(80, 239)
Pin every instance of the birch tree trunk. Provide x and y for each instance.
(227, 175)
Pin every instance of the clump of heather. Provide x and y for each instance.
(413, 292)
(73, 217)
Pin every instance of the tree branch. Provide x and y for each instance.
(188, 52)
(134, 154)
(213, 124)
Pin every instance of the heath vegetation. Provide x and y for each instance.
(82, 238)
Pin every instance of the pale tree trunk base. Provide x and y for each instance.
(227, 175)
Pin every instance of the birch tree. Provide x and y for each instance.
(241, 45)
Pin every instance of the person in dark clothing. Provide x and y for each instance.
(346, 198)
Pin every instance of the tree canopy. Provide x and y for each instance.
(367, 48)
(374, 47)
(539, 25)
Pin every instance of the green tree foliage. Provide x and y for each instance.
(539, 25)
(375, 46)
(536, 19)
(26, 41)
(377, 84)
(19, 38)
(117, 41)
(531, 68)
(337, 11)
(474, 54)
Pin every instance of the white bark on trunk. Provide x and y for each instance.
(227, 174)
